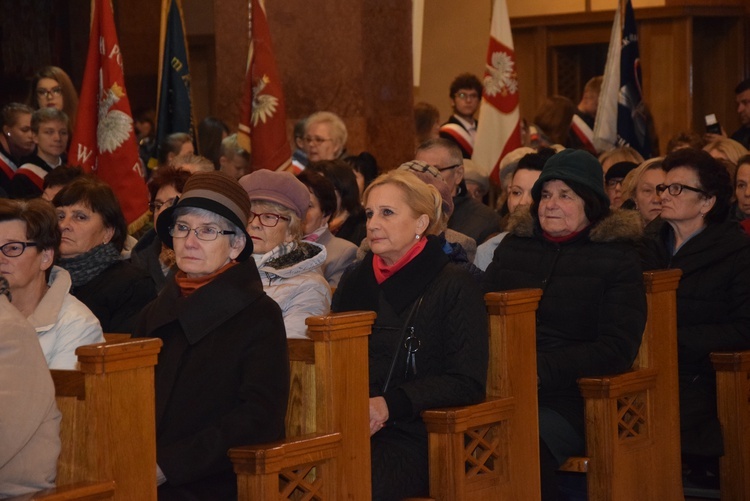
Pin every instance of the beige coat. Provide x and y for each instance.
(29, 419)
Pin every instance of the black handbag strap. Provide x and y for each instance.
(402, 338)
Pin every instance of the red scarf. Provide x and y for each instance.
(383, 271)
(189, 285)
(559, 240)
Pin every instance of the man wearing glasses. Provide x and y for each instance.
(461, 127)
(470, 216)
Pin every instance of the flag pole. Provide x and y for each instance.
(162, 38)
(193, 125)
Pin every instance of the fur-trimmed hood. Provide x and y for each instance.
(621, 225)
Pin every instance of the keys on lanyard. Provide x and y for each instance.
(412, 344)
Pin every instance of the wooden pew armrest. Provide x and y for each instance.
(84, 491)
(606, 387)
(274, 457)
(459, 419)
(737, 361)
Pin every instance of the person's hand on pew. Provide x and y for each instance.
(378, 414)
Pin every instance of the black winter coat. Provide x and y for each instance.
(117, 296)
(222, 379)
(451, 362)
(145, 255)
(713, 314)
(592, 312)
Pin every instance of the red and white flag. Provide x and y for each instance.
(104, 139)
(499, 130)
(262, 129)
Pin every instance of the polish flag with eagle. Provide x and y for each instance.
(499, 130)
(104, 141)
(262, 129)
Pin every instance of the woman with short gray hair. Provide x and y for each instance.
(290, 269)
(223, 374)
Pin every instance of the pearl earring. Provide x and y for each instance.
(418, 236)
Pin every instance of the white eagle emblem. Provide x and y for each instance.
(114, 125)
(501, 76)
(264, 105)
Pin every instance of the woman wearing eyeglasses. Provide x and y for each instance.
(150, 253)
(291, 269)
(93, 235)
(29, 241)
(51, 87)
(713, 298)
(223, 374)
(325, 136)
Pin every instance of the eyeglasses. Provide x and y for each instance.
(612, 183)
(316, 139)
(267, 219)
(419, 167)
(467, 95)
(54, 91)
(156, 205)
(675, 189)
(443, 169)
(206, 233)
(15, 249)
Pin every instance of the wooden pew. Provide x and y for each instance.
(733, 401)
(107, 429)
(326, 455)
(632, 419)
(491, 450)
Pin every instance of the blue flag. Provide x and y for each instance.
(631, 116)
(174, 101)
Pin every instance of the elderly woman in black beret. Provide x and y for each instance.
(593, 309)
(694, 234)
(223, 374)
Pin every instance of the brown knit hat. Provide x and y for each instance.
(216, 192)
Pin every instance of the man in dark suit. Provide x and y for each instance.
(470, 216)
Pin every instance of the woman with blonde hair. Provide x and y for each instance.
(639, 189)
(428, 347)
(617, 155)
(51, 87)
(728, 152)
(727, 149)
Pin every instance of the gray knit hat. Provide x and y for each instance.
(578, 166)
(215, 192)
(280, 187)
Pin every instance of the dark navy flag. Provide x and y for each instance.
(174, 112)
(631, 115)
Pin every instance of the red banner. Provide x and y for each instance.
(104, 141)
(262, 129)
